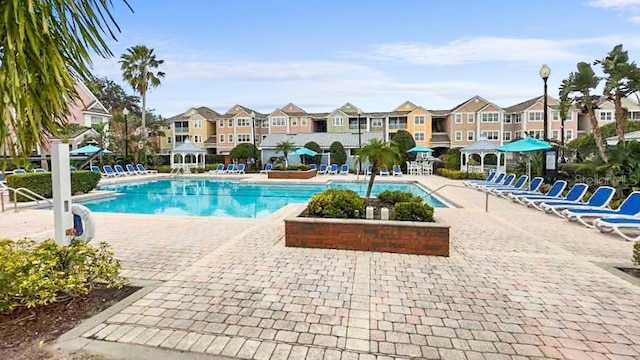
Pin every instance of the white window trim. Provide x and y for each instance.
(555, 134)
(505, 133)
(415, 120)
(471, 118)
(337, 121)
(458, 138)
(221, 139)
(419, 133)
(602, 112)
(482, 117)
(535, 112)
(304, 122)
(221, 123)
(294, 122)
(377, 123)
(457, 118)
(473, 135)
(486, 136)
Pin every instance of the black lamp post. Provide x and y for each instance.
(253, 129)
(359, 140)
(125, 112)
(545, 71)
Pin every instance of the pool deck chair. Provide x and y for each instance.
(334, 169)
(368, 170)
(143, 170)
(507, 181)
(219, 170)
(629, 208)
(73, 169)
(109, 172)
(489, 178)
(599, 200)
(518, 186)
(396, 170)
(120, 170)
(627, 228)
(496, 180)
(19, 171)
(384, 171)
(96, 170)
(231, 168)
(575, 194)
(131, 170)
(313, 167)
(266, 169)
(39, 170)
(240, 169)
(532, 188)
(344, 169)
(554, 192)
(323, 169)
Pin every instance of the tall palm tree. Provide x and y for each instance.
(43, 48)
(622, 80)
(377, 153)
(139, 65)
(285, 147)
(581, 83)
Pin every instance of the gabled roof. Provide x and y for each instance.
(348, 140)
(406, 106)
(278, 112)
(529, 103)
(95, 105)
(349, 109)
(478, 97)
(293, 110)
(187, 147)
(238, 108)
(203, 111)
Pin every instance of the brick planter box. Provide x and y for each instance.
(401, 237)
(279, 174)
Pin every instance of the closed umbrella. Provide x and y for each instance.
(526, 145)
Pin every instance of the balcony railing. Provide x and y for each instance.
(400, 126)
(181, 130)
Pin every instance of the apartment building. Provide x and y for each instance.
(240, 125)
(196, 124)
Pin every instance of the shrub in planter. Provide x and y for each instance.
(392, 197)
(336, 203)
(300, 167)
(40, 183)
(34, 274)
(413, 211)
(636, 254)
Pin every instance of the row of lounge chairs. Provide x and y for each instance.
(118, 170)
(333, 169)
(231, 169)
(594, 212)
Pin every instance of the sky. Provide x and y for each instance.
(375, 54)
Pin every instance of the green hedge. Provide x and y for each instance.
(459, 175)
(81, 182)
(336, 203)
(413, 211)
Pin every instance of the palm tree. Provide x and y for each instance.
(581, 83)
(285, 147)
(138, 67)
(377, 153)
(622, 80)
(45, 46)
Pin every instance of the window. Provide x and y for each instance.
(538, 134)
(197, 139)
(230, 138)
(337, 121)
(246, 138)
(490, 135)
(458, 118)
(168, 139)
(555, 134)
(278, 121)
(490, 117)
(221, 138)
(197, 124)
(507, 119)
(569, 116)
(568, 135)
(506, 136)
(535, 116)
(304, 122)
(244, 122)
(471, 117)
(516, 118)
(459, 133)
(419, 120)
(294, 121)
(220, 123)
(376, 123)
(606, 116)
(95, 120)
(518, 135)
(471, 135)
(556, 115)
(230, 123)
(265, 123)
(419, 136)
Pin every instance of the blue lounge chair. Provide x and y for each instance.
(131, 170)
(489, 178)
(629, 208)
(143, 170)
(334, 169)
(518, 186)
(323, 169)
(120, 170)
(240, 169)
(219, 170)
(495, 180)
(507, 181)
(39, 170)
(396, 170)
(620, 226)
(599, 200)
(532, 188)
(313, 167)
(383, 171)
(266, 169)
(231, 168)
(19, 171)
(574, 194)
(109, 172)
(344, 169)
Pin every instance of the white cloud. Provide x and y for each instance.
(614, 4)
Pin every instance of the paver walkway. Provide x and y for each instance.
(518, 285)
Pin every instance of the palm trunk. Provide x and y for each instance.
(597, 136)
(143, 123)
(621, 117)
(371, 179)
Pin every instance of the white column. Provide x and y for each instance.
(288, 124)
(462, 162)
(482, 162)
(386, 128)
(61, 186)
(501, 116)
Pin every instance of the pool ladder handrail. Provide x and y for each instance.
(174, 172)
(29, 194)
(486, 195)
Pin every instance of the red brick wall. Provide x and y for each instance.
(291, 174)
(381, 236)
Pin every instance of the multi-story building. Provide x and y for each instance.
(196, 124)
(240, 125)
(290, 119)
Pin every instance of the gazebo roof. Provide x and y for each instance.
(480, 146)
(187, 147)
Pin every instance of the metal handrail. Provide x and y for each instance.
(486, 195)
(24, 192)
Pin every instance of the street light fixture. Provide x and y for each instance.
(359, 140)
(253, 129)
(545, 71)
(125, 112)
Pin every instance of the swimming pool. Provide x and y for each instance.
(204, 197)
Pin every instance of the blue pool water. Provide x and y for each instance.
(201, 197)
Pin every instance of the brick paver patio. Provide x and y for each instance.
(518, 285)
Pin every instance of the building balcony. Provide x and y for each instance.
(397, 126)
(181, 130)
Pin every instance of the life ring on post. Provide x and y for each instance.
(82, 223)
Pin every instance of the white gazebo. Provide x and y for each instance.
(482, 148)
(187, 156)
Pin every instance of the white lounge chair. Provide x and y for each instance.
(624, 227)
(630, 208)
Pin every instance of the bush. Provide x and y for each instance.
(300, 167)
(396, 196)
(34, 274)
(312, 145)
(459, 175)
(451, 159)
(198, 170)
(636, 254)
(338, 154)
(164, 169)
(40, 183)
(413, 211)
(336, 203)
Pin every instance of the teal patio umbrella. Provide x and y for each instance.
(304, 151)
(420, 149)
(88, 150)
(526, 145)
